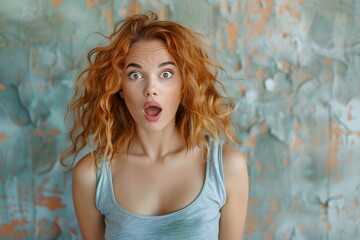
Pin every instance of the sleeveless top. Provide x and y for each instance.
(198, 220)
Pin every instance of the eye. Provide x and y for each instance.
(135, 75)
(166, 74)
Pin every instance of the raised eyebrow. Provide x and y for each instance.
(135, 65)
(166, 63)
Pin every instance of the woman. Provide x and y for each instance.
(148, 106)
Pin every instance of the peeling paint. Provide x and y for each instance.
(52, 203)
(232, 31)
(295, 66)
(57, 2)
(11, 229)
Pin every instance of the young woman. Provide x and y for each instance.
(149, 107)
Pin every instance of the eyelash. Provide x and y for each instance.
(141, 76)
(168, 71)
(131, 73)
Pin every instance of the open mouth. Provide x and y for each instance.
(152, 111)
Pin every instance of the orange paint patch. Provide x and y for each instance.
(2, 87)
(302, 75)
(36, 69)
(57, 2)
(251, 142)
(52, 203)
(108, 15)
(289, 107)
(268, 219)
(260, 74)
(297, 143)
(253, 201)
(54, 132)
(356, 204)
(286, 162)
(328, 226)
(237, 67)
(38, 132)
(349, 117)
(252, 224)
(3, 137)
(134, 8)
(290, 10)
(51, 228)
(261, 8)
(297, 127)
(241, 89)
(90, 4)
(162, 13)
(259, 165)
(333, 163)
(223, 6)
(335, 133)
(8, 230)
(264, 128)
(232, 33)
(285, 66)
(231, 10)
(274, 207)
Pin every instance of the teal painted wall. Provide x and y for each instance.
(298, 65)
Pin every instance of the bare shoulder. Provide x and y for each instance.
(85, 170)
(233, 161)
(90, 220)
(235, 171)
(233, 213)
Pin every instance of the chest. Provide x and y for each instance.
(158, 189)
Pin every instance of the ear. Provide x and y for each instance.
(121, 92)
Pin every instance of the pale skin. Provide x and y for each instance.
(158, 175)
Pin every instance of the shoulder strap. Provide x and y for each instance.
(99, 169)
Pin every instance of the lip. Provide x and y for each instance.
(150, 104)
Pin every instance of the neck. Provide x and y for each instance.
(156, 145)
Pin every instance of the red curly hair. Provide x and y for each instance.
(101, 119)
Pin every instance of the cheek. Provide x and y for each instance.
(131, 101)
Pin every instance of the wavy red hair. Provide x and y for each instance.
(101, 119)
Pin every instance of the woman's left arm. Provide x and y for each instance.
(233, 213)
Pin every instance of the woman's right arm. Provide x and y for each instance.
(91, 222)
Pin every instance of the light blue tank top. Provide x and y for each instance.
(199, 220)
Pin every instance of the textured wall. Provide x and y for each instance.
(298, 65)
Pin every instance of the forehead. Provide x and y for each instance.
(148, 49)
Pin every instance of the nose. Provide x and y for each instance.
(151, 89)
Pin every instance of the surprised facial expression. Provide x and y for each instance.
(152, 86)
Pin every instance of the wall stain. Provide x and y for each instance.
(295, 67)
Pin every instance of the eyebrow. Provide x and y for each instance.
(135, 65)
(166, 63)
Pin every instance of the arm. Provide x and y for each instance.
(233, 213)
(91, 222)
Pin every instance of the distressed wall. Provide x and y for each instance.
(296, 65)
